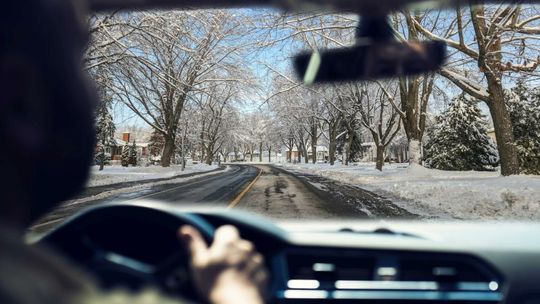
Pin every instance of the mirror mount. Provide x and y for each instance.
(376, 54)
(374, 28)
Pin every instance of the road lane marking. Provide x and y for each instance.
(239, 197)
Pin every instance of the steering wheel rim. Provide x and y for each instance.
(169, 218)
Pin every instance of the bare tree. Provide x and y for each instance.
(490, 42)
(214, 109)
(173, 55)
(108, 35)
(414, 93)
(377, 115)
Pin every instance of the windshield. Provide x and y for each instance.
(204, 108)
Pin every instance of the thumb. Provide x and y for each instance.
(193, 241)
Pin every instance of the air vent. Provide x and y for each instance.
(328, 269)
(403, 276)
(430, 269)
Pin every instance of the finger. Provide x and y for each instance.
(258, 259)
(226, 234)
(254, 264)
(246, 246)
(261, 277)
(193, 241)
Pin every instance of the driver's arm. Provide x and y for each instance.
(230, 271)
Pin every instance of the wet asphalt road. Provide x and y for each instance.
(218, 189)
(263, 189)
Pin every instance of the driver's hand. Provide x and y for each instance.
(228, 272)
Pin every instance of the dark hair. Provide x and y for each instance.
(47, 36)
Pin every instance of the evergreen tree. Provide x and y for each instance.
(105, 130)
(125, 155)
(133, 154)
(156, 143)
(105, 127)
(524, 107)
(459, 140)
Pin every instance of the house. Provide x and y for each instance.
(116, 151)
(395, 152)
(235, 156)
(368, 151)
(255, 155)
(292, 154)
(322, 154)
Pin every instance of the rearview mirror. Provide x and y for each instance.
(382, 59)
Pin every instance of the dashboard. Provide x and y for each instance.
(135, 245)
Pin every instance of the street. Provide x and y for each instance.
(263, 189)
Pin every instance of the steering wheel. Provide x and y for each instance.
(131, 245)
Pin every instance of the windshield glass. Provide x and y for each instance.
(203, 108)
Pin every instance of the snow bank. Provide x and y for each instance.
(436, 193)
(119, 174)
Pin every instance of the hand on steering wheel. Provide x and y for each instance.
(229, 271)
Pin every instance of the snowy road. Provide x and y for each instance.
(262, 189)
(281, 194)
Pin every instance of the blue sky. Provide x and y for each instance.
(277, 56)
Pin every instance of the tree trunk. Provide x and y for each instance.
(347, 149)
(313, 152)
(332, 151)
(168, 151)
(503, 129)
(305, 153)
(415, 151)
(344, 159)
(209, 155)
(332, 145)
(314, 139)
(101, 158)
(260, 152)
(291, 145)
(414, 104)
(380, 157)
(183, 151)
(251, 154)
(269, 154)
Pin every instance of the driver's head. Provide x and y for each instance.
(46, 126)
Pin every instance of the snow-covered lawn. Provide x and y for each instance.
(436, 193)
(119, 174)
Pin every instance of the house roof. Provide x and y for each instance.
(120, 142)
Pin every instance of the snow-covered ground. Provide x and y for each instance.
(119, 174)
(446, 194)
